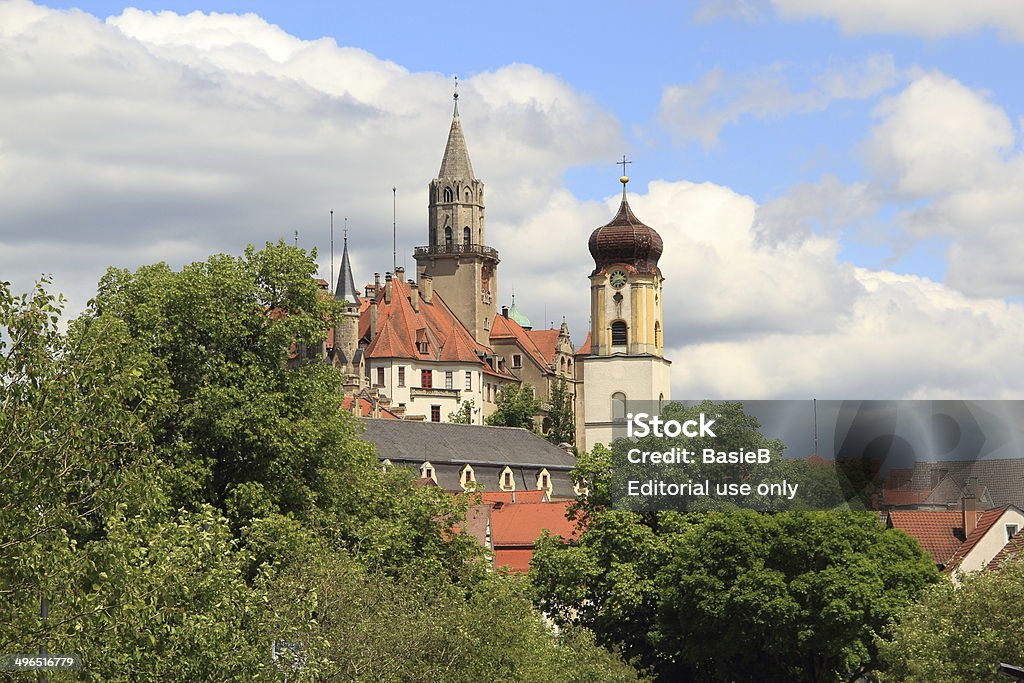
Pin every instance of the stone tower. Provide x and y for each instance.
(463, 269)
(345, 352)
(626, 360)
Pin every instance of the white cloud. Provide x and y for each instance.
(204, 133)
(915, 17)
(700, 110)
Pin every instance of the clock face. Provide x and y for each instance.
(617, 279)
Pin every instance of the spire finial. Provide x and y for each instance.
(345, 232)
(455, 96)
(625, 178)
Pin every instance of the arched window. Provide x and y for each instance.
(619, 335)
(544, 481)
(448, 196)
(618, 406)
(469, 195)
(467, 235)
(657, 335)
(467, 477)
(448, 237)
(507, 480)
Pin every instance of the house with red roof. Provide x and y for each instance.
(516, 527)
(959, 541)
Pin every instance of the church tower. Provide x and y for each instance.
(463, 269)
(626, 359)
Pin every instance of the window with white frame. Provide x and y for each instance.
(449, 380)
(1011, 531)
(469, 381)
(401, 375)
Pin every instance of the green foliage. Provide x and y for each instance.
(562, 414)
(463, 415)
(174, 480)
(729, 596)
(364, 626)
(960, 634)
(517, 406)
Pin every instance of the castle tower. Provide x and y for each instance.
(626, 359)
(463, 269)
(345, 352)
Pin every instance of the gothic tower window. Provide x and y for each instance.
(448, 194)
(448, 237)
(469, 195)
(619, 333)
(467, 235)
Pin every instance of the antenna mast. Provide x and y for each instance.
(331, 284)
(394, 229)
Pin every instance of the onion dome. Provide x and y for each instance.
(626, 240)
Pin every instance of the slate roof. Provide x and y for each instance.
(455, 162)
(346, 287)
(442, 442)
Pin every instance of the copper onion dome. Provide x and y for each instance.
(626, 240)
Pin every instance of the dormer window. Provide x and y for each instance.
(544, 480)
(467, 477)
(427, 472)
(507, 481)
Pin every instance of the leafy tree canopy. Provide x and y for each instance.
(517, 405)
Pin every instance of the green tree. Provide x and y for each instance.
(562, 414)
(517, 406)
(463, 415)
(735, 595)
(960, 633)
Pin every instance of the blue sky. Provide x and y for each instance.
(833, 174)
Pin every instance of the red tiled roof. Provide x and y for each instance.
(1014, 550)
(985, 521)
(509, 497)
(366, 408)
(903, 496)
(584, 349)
(508, 329)
(516, 559)
(939, 532)
(546, 341)
(521, 524)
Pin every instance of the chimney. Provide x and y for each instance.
(387, 288)
(969, 505)
(376, 285)
(414, 295)
(504, 311)
(373, 319)
(399, 271)
(427, 288)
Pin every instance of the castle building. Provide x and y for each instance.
(622, 358)
(421, 348)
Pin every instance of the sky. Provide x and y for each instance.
(839, 183)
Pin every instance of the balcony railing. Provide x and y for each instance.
(434, 391)
(436, 249)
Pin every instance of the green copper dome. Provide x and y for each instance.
(517, 315)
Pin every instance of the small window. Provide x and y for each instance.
(469, 381)
(426, 379)
(1011, 531)
(506, 480)
(468, 477)
(435, 413)
(619, 335)
(448, 237)
(422, 347)
(449, 380)
(467, 235)
(448, 196)
(618, 406)
(517, 360)
(401, 375)
(427, 471)
(380, 377)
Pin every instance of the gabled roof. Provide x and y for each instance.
(986, 521)
(547, 342)
(1014, 550)
(505, 329)
(521, 524)
(1004, 477)
(939, 532)
(400, 326)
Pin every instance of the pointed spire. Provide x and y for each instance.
(346, 287)
(455, 163)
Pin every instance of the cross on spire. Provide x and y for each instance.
(623, 164)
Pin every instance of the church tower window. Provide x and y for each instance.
(448, 195)
(620, 336)
(448, 237)
(618, 406)
(467, 235)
